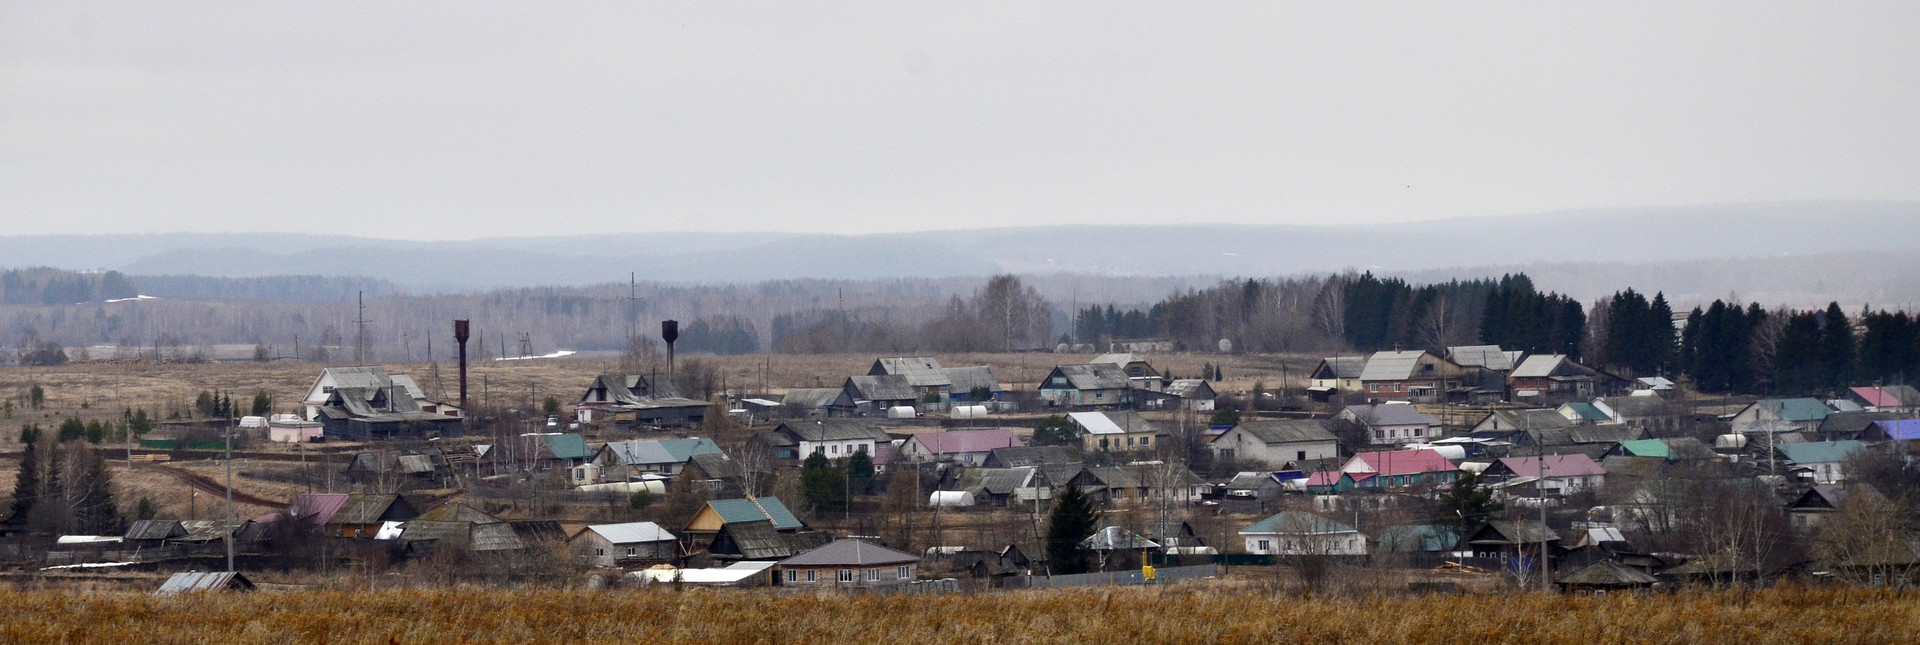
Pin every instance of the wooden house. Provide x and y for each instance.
(631, 544)
(1274, 442)
(1087, 386)
(1417, 376)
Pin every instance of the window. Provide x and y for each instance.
(846, 575)
(793, 576)
(906, 571)
(1373, 387)
(631, 551)
(1146, 441)
(1129, 442)
(873, 575)
(1300, 455)
(809, 575)
(1264, 545)
(834, 450)
(599, 551)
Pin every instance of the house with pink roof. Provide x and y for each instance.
(964, 447)
(1892, 398)
(1399, 468)
(1564, 474)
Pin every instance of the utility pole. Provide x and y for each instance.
(360, 336)
(227, 533)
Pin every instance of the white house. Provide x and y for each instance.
(835, 438)
(1302, 533)
(1275, 442)
(370, 378)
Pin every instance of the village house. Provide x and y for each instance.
(625, 545)
(1274, 442)
(619, 461)
(408, 467)
(929, 382)
(1557, 378)
(803, 402)
(1416, 376)
(963, 447)
(1145, 481)
(1504, 424)
(1564, 474)
(1400, 468)
(1509, 539)
(364, 403)
(1821, 503)
(1334, 375)
(1888, 398)
(1650, 413)
(361, 516)
(1134, 365)
(637, 399)
(721, 512)
(1191, 394)
(760, 540)
(1087, 386)
(1302, 533)
(835, 438)
(974, 384)
(371, 378)
(876, 395)
(1823, 462)
(1028, 456)
(1115, 431)
(1783, 415)
(991, 486)
(1392, 424)
(848, 563)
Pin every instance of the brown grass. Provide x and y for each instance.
(1170, 615)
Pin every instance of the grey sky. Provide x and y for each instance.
(455, 120)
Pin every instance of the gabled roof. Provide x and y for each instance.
(718, 465)
(1337, 367)
(811, 398)
(1631, 407)
(964, 441)
(1487, 356)
(1653, 448)
(968, 379)
(1585, 412)
(1513, 532)
(154, 530)
(760, 541)
(1114, 538)
(1399, 462)
(1900, 430)
(1390, 415)
(622, 388)
(1284, 431)
(1607, 573)
(190, 581)
(317, 508)
(849, 553)
(364, 509)
(1526, 419)
(1798, 410)
(1121, 359)
(921, 371)
(1092, 377)
(1142, 476)
(833, 430)
(995, 481)
(566, 446)
(1030, 456)
(1392, 365)
(649, 452)
(886, 387)
(457, 512)
(1575, 465)
(1099, 423)
(1297, 522)
(755, 509)
(1876, 397)
(631, 532)
(1188, 388)
(1819, 452)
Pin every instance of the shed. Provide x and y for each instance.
(191, 581)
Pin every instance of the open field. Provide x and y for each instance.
(1170, 615)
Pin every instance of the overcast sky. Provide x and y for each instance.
(455, 120)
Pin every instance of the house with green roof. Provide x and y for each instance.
(1821, 460)
(1302, 533)
(721, 512)
(1782, 415)
(1650, 448)
(1579, 412)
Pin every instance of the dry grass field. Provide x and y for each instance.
(1179, 614)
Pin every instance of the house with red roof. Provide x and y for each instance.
(964, 447)
(1563, 474)
(1891, 398)
(1400, 468)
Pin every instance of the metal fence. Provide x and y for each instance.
(1129, 577)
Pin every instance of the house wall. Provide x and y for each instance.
(1349, 543)
(880, 576)
(1238, 444)
(836, 449)
(1125, 442)
(599, 552)
(1404, 433)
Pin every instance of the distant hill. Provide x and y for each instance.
(1575, 239)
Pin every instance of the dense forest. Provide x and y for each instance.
(57, 287)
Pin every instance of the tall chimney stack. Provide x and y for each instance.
(460, 336)
(670, 331)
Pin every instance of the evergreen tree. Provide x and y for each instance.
(823, 484)
(1799, 355)
(94, 509)
(26, 484)
(860, 472)
(1056, 430)
(1836, 348)
(263, 404)
(1073, 519)
(1467, 505)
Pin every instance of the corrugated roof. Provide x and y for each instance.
(886, 387)
(1819, 452)
(1586, 412)
(964, 441)
(631, 532)
(1392, 365)
(1093, 377)
(317, 508)
(1399, 462)
(1030, 456)
(457, 512)
(833, 430)
(921, 371)
(759, 508)
(364, 509)
(1653, 448)
(1188, 388)
(1876, 397)
(995, 481)
(1111, 422)
(1341, 367)
(1901, 429)
(1284, 430)
(717, 465)
(1608, 573)
(1391, 415)
(154, 530)
(1515, 532)
(1538, 366)
(654, 452)
(1114, 538)
(190, 581)
(1575, 465)
(1487, 356)
(968, 379)
(849, 553)
(566, 446)
(1801, 409)
(811, 398)
(1296, 523)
